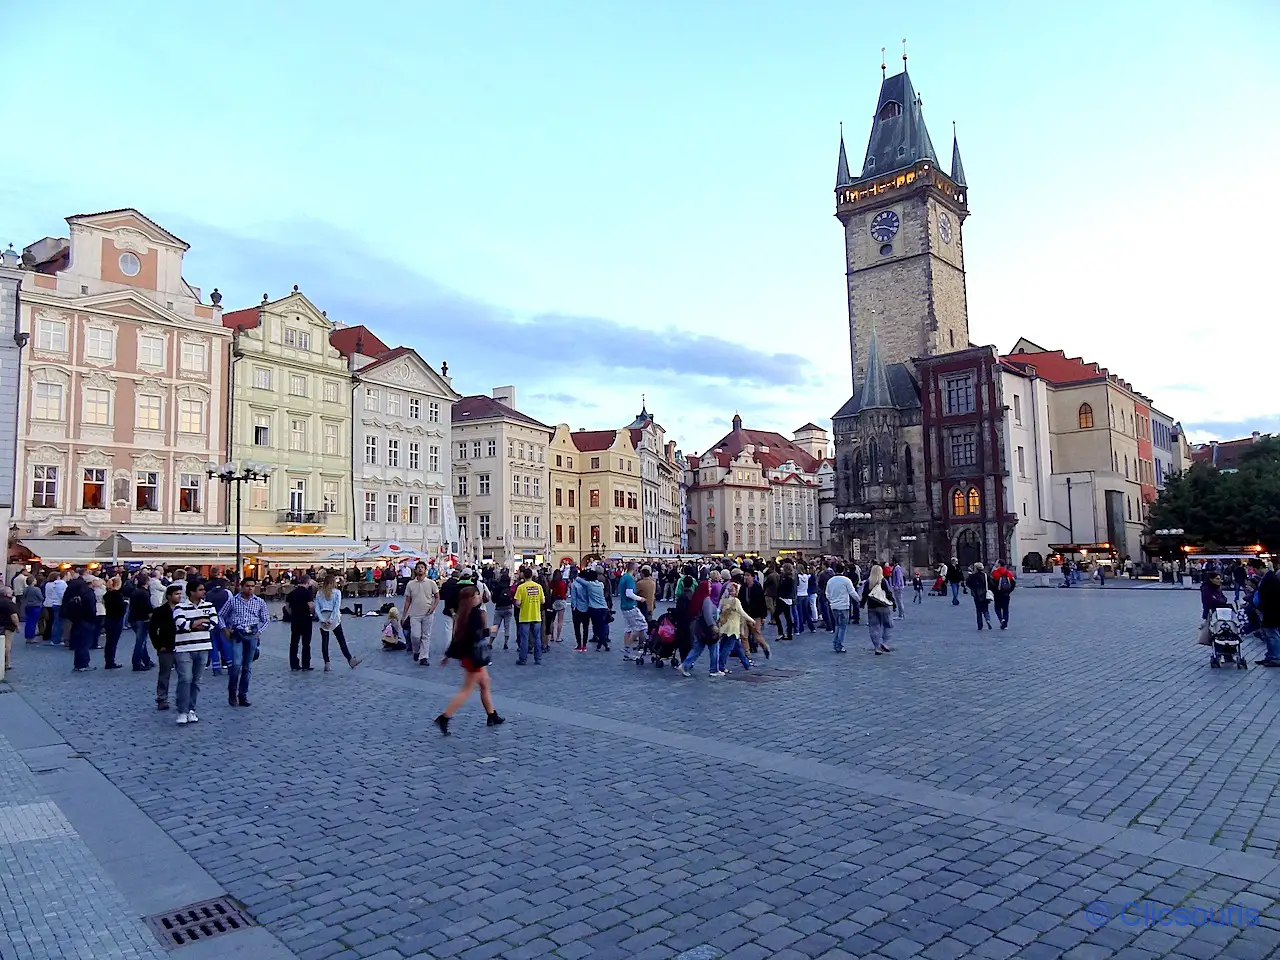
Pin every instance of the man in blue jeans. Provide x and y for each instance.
(244, 616)
(79, 606)
(1269, 613)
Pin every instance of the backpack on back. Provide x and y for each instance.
(1004, 584)
(502, 593)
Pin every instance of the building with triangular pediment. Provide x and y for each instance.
(401, 474)
(122, 401)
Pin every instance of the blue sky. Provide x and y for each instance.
(599, 200)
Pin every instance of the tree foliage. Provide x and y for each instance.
(1220, 508)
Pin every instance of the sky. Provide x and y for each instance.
(602, 201)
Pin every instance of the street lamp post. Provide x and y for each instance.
(230, 474)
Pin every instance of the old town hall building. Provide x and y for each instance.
(920, 464)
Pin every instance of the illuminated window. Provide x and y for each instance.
(957, 503)
(1085, 417)
(189, 485)
(975, 501)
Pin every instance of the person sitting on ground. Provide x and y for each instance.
(392, 634)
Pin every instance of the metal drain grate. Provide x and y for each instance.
(199, 921)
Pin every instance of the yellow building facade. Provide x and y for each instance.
(596, 482)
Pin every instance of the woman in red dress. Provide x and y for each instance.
(470, 637)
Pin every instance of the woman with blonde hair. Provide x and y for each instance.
(114, 607)
(878, 598)
(734, 625)
(328, 603)
(470, 645)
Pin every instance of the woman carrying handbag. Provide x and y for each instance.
(471, 646)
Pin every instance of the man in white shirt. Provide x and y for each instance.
(421, 596)
(193, 622)
(840, 596)
(53, 591)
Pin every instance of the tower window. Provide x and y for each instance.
(952, 335)
(886, 249)
(890, 110)
(975, 501)
(902, 151)
(957, 503)
(1085, 417)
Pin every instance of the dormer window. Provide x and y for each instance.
(890, 110)
(902, 151)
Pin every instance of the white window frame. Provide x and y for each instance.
(262, 421)
(371, 399)
(193, 482)
(482, 484)
(332, 440)
(462, 485)
(433, 510)
(51, 335)
(95, 335)
(152, 478)
(297, 385)
(370, 506)
(145, 423)
(415, 408)
(415, 455)
(191, 417)
(298, 438)
(195, 357)
(330, 495)
(371, 446)
(415, 509)
(145, 342)
(393, 404)
(433, 412)
(330, 391)
(44, 485)
(434, 460)
(93, 398)
(262, 378)
(393, 508)
(393, 452)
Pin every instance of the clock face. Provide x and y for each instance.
(944, 227)
(884, 226)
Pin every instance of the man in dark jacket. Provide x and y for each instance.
(1269, 614)
(955, 579)
(753, 601)
(786, 599)
(80, 609)
(139, 617)
(824, 608)
(164, 639)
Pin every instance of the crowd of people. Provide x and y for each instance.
(182, 622)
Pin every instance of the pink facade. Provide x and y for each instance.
(122, 400)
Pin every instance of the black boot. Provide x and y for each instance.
(495, 720)
(443, 723)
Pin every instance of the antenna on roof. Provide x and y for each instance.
(904, 53)
(883, 66)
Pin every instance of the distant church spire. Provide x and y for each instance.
(957, 165)
(842, 165)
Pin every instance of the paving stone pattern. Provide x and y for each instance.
(967, 796)
(55, 899)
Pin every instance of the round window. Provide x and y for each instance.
(886, 249)
(130, 265)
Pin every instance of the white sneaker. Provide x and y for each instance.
(682, 671)
(183, 719)
(191, 717)
(627, 654)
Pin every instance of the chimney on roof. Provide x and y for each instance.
(1256, 435)
(506, 396)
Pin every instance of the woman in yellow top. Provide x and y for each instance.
(734, 625)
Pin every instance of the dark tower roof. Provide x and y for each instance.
(957, 165)
(875, 392)
(842, 165)
(898, 135)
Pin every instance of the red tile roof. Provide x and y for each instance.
(1056, 367)
(246, 319)
(480, 407)
(382, 358)
(589, 441)
(344, 341)
(780, 449)
(1226, 454)
(635, 438)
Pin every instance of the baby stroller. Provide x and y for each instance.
(662, 644)
(1224, 636)
(939, 588)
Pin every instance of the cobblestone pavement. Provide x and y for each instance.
(972, 794)
(55, 899)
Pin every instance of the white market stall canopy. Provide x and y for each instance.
(52, 551)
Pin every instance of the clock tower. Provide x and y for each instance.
(903, 221)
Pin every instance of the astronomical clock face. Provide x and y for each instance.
(884, 226)
(944, 227)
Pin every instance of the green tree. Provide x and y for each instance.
(1225, 508)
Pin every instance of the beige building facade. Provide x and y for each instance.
(122, 400)
(597, 494)
(501, 499)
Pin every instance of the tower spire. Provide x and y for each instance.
(904, 53)
(875, 383)
(842, 164)
(957, 165)
(883, 66)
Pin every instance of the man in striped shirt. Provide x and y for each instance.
(243, 617)
(193, 621)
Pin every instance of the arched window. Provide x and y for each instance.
(957, 503)
(1086, 417)
(908, 466)
(1130, 502)
(890, 110)
(1126, 466)
(873, 459)
(975, 501)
